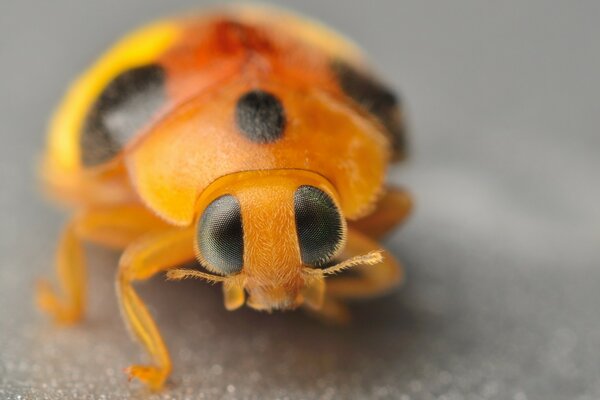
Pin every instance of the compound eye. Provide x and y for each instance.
(318, 225)
(221, 236)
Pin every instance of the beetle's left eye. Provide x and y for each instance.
(221, 236)
(319, 225)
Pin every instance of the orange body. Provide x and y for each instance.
(245, 139)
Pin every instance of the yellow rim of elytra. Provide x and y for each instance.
(140, 47)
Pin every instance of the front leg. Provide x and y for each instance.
(369, 281)
(143, 259)
(114, 226)
(372, 280)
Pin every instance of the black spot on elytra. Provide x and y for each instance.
(376, 98)
(260, 116)
(126, 104)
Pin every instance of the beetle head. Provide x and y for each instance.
(270, 235)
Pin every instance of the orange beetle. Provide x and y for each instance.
(251, 141)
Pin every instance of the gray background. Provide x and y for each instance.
(502, 254)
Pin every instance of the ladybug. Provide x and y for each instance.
(251, 141)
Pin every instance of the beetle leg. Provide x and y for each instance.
(331, 311)
(141, 260)
(391, 210)
(114, 226)
(117, 226)
(373, 279)
(70, 268)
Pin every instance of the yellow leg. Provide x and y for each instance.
(392, 209)
(372, 280)
(117, 227)
(112, 226)
(67, 307)
(144, 258)
(331, 311)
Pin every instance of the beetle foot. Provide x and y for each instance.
(331, 312)
(152, 376)
(49, 302)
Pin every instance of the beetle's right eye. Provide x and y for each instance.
(221, 236)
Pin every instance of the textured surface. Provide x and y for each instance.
(503, 254)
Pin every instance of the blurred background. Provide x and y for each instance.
(502, 253)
